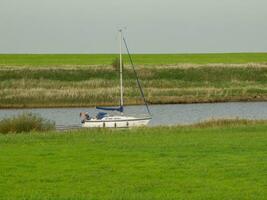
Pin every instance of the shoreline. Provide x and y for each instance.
(92, 106)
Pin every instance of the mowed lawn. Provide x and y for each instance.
(147, 163)
(48, 60)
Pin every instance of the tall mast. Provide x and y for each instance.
(121, 86)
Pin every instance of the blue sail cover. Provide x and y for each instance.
(101, 115)
(119, 109)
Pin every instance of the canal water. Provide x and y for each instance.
(170, 114)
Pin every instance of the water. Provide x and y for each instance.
(162, 114)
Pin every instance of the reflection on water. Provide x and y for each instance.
(162, 114)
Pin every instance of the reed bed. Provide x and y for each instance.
(25, 122)
(58, 87)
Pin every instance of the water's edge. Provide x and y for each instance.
(166, 114)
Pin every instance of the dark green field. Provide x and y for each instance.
(52, 60)
(224, 162)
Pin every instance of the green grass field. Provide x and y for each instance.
(225, 162)
(46, 60)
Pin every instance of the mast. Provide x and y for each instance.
(121, 86)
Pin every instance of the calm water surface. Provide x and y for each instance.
(162, 114)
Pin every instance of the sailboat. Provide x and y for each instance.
(119, 119)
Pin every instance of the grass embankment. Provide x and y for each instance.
(48, 60)
(90, 86)
(223, 162)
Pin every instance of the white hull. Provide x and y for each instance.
(116, 122)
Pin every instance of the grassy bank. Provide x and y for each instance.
(221, 162)
(53, 60)
(90, 86)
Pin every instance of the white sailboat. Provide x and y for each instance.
(119, 120)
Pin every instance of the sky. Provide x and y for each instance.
(151, 26)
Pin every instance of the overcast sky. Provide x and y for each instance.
(153, 26)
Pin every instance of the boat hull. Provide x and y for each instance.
(120, 123)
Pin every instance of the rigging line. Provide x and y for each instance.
(137, 79)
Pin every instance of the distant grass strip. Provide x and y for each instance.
(146, 163)
(91, 86)
(25, 122)
(57, 60)
(226, 123)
